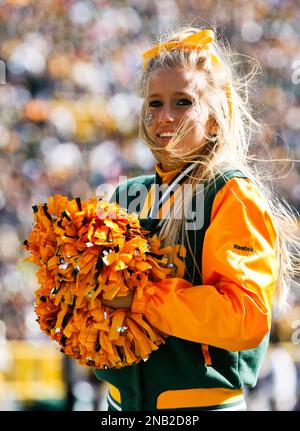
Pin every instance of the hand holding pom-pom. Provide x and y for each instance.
(92, 256)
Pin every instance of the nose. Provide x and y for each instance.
(166, 116)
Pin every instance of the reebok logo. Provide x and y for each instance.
(243, 248)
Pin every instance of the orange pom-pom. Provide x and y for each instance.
(86, 251)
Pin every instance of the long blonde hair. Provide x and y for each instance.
(234, 128)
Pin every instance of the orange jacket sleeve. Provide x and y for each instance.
(232, 308)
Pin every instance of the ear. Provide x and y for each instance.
(211, 126)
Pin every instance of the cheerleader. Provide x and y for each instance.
(230, 258)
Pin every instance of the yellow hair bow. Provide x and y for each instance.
(199, 41)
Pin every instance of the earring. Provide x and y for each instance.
(148, 119)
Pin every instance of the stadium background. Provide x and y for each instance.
(68, 123)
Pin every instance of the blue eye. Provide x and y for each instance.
(155, 104)
(184, 102)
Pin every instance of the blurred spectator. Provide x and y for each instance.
(277, 386)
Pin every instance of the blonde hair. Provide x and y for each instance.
(234, 128)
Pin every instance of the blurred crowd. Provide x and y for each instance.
(69, 113)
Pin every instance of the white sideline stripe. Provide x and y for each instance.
(112, 402)
(240, 406)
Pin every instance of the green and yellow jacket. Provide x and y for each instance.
(218, 319)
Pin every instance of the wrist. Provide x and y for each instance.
(141, 298)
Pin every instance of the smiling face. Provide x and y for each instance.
(172, 99)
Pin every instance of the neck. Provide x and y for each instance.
(168, 167)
